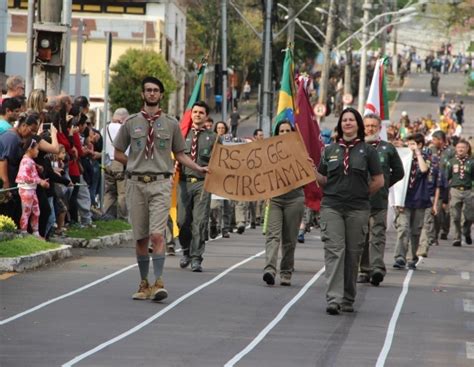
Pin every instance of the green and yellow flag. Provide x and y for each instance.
(286, 101)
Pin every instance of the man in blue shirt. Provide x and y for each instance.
(9, 111)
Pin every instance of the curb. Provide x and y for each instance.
(28, 262)
(100, 242)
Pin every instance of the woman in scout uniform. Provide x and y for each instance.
(284, 218)
(344, 173)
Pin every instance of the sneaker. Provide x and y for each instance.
(170, 251)
(225, 234)
(240, 229)
(185, 261)
(158, 291)
(333, 309)
(196, 266)
(345, 307)
(300, 238)
(376, 278)
(285, 280)
(412, 265)
(457, 243)
(399, 264)
(363, 278)
(144, 291)
(468, 240)
(269, 278)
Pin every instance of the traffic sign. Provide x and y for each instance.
(347, 98)
(320, 109)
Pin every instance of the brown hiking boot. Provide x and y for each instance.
(144, 291)
(158, 291)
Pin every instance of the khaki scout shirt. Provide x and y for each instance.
(206, 141)
(348, 191)
(134, 132)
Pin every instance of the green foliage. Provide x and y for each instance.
(7, 224)
(22, 246)
(103, 228)
(129, 71)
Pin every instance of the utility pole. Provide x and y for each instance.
(383, 35)
(67, 21)
(363, 58)
(77, 84)
(224, 58)
(48, 47)
(291, 26)
(348, 67)
(267, 60)
(323, 89)
(395, 52)
(29, 48)
(3, 35)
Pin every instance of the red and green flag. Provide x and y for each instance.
(196, 95)
(377, 100)
(286, 101)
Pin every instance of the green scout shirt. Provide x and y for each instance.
(393, 172)
(453, 170)
(133, 133)
(206, 141)
(444, 156)
(348, 191)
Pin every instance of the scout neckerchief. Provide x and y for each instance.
(376, 143)
(462, 166)
(150, 141)
(194, 142)
(347, 145)
(414, 169)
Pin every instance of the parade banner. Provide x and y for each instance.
(398, 192)
(259, 170)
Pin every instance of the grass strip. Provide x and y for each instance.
(22, 246)
(103, 228)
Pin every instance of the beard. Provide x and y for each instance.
(149, 103)
(371, 138)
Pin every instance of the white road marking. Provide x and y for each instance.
(159, 314)
(44, 304)
(274, 322)
(468, 305)
(469, 350)
(465, 275)
(393, 322)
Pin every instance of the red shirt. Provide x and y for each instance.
(73, 163)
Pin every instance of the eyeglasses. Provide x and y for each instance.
(152, 90)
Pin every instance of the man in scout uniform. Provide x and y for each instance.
(151, 136)
(193, 201)
(460, 174)
(372, 266)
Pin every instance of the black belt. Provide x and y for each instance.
(461, 188)
(192, 179)
(148, 178)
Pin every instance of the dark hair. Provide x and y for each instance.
(201, 104)
(81, 101)
(152, 79)
(221, 122)
(30, 142)
(256, 131)
(9, 103)
(360, 123)
(439, 134)
(374, 117)
(32, 119)
(466, 143)
(277, 126)
(417, 138)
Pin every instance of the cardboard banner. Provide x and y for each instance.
(398, 192)
(259, 170)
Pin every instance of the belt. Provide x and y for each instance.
(192, 179)
(148, 178)
(461, 188)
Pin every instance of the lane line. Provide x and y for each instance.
(469, 350)
(158, 314)
(468, 305)
(393, 322)
(44, 304)
(87, 286)
(465, 275)
(275, 321)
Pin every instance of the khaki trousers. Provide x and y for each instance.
(284, 219)
(343, 233)
(374, 246)
(408, 223)
(428, 233)
(115, 202)
(461, 202)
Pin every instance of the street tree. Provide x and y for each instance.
(129, 71)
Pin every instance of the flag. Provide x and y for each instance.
(286, 102)
(197, 93)
(307, 125)
(377, 101)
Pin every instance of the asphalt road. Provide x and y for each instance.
(228, 316)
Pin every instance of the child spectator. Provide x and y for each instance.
(27, 180)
